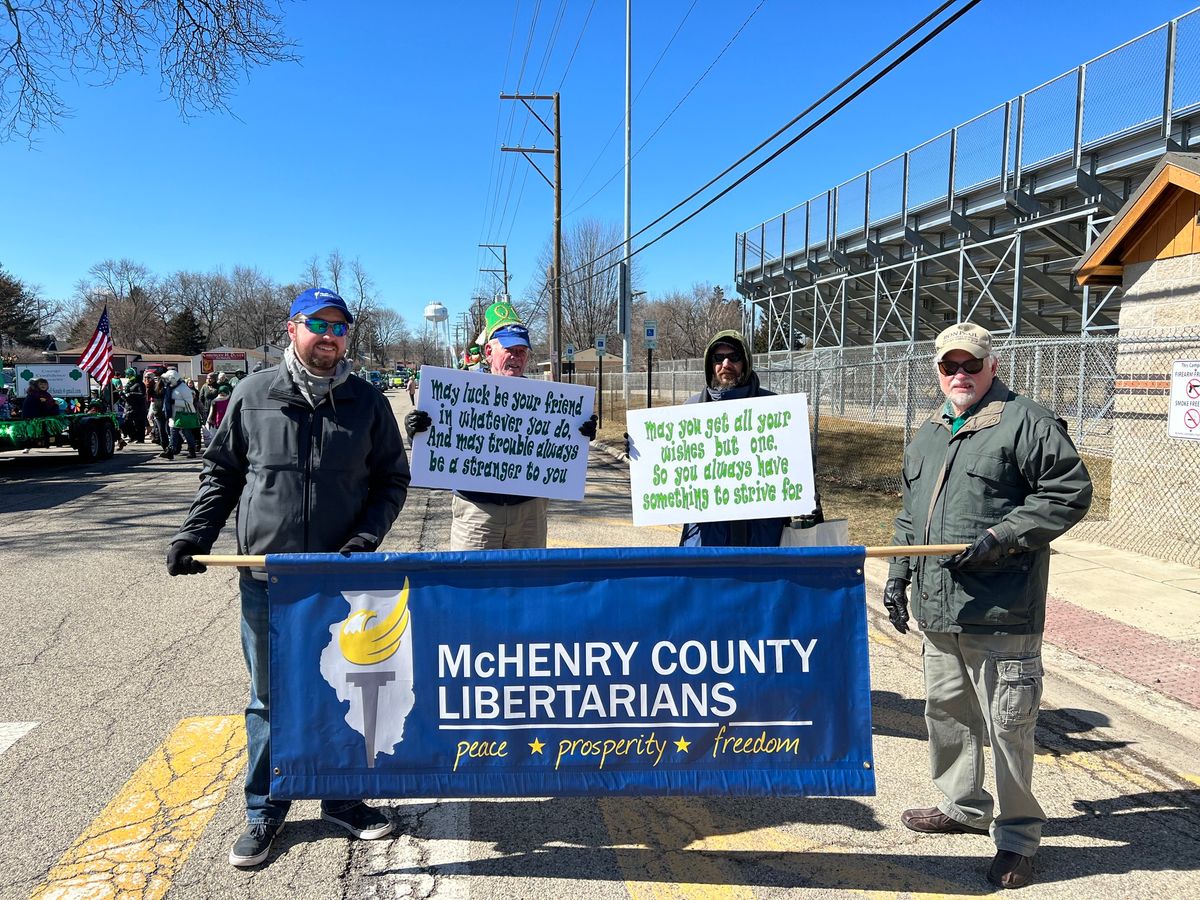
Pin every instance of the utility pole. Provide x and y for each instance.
(556, 185)
(625, 304)
(502, 258)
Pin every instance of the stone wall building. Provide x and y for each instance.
(1152, 250)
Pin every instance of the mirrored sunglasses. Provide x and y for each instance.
(971, 367)
(320, 326)
(719, 358)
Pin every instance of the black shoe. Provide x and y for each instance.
(934, 821)
(191, 454)
(254, 844)
(1010, 870)
(166, 454)
(362, 821)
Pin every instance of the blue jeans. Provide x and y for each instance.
(179, 435)
(256, 648)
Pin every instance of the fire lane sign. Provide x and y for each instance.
(1183, 415)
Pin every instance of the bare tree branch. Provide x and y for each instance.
(204, 48)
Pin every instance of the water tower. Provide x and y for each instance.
(439, 317)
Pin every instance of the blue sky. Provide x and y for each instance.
(383, 142)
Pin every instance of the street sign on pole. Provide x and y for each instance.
(601, 343)
(570, 351)
(651, 334)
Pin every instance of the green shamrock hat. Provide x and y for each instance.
(498, 315)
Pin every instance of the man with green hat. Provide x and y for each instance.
(481, 520)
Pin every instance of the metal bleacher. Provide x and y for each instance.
(984, 221)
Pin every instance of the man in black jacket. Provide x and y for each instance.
(729, 370)
(313, 462)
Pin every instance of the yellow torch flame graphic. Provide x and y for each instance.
(363, 645)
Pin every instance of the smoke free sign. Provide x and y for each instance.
(714, 462)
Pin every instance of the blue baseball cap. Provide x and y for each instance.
(316, 299)
(512, 336)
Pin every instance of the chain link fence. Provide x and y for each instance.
(866, 403)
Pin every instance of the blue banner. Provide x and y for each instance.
(570, 672)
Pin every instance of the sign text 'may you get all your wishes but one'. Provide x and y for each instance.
(720, 461)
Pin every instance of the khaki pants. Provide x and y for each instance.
(977, 687)
(492, 526)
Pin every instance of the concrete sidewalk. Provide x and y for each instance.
(1131, 614)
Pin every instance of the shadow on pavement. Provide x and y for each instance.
(1149, 832)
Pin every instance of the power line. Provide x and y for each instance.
(550, 42)
(493, 170)
(579, 40)
(621, 121)
(824, 118)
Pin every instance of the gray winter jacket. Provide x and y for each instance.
(1011, 468)
(302, 479)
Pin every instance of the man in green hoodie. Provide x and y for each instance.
(995, 471)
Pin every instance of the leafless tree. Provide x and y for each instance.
(361, 303)
(686, 321)
(203, 48)
(258, 309)
(138, 308)
(590, 284)
(205, 294)
(313, 275)
(387, 335)
(335, 268)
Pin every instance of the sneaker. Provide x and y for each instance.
(254, 844)
(360, 820)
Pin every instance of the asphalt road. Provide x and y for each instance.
(121, 691)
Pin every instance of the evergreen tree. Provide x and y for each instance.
(184, 334)
(18, 323)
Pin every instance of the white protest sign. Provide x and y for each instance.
(502, 435)
(1183, 415)
(64, 380)
(724, 461)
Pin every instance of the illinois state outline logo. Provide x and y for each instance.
(369, 664)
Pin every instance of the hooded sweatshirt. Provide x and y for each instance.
(748, 386)
(742, 532)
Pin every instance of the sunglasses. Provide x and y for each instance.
(971, 367)
(320, 326)
(719, 358)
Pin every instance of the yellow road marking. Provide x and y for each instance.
(141, 840)
(671, 872)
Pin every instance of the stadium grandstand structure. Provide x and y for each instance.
(985, 221)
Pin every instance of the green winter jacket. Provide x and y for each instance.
(1011, 468)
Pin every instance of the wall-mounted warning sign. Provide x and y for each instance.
(1183, 416)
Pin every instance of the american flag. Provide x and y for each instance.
(97, 355)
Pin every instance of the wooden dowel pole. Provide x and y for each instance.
(258, 562)
(917, 550)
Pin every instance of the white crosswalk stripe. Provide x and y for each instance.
(11, 732)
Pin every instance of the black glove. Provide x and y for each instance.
(179, 559)
(588, 428)
(895, 601)
(816, 517)
(417, 421)
(985, 551)
(628, 448)
(358, 544)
